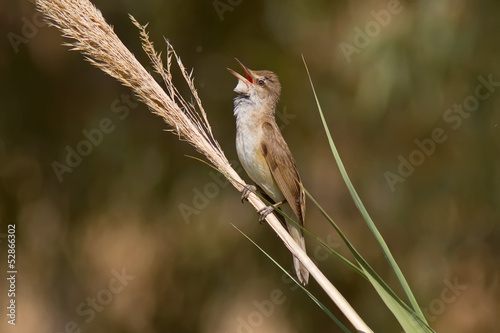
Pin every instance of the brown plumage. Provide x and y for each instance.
(263, 152)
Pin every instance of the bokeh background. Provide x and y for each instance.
(135, 207)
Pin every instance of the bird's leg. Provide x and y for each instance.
(264, 212)
(246, 191)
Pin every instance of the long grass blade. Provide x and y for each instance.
(357, 200)
(405, 315)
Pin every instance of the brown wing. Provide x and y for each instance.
(283, 168)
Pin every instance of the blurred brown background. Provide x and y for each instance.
(123, 241)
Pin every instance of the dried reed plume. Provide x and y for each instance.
(84, 24)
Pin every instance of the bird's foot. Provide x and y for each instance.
(264, 212)
(246, 192)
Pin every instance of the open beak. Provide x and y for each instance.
(248, 72)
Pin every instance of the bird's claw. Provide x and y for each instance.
(246, 192)
(264, 212)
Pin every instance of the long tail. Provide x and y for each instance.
(298, 236)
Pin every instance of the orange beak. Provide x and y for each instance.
(248, 73)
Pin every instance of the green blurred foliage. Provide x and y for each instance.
(121, 207)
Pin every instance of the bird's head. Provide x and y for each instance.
(260, 87)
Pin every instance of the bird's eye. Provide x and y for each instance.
(261, 82)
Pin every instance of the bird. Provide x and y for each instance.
(264, 154)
